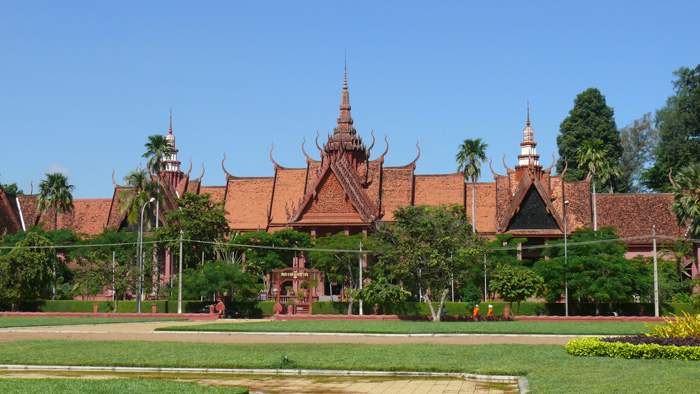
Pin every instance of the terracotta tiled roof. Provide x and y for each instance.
(247, 202)
(88, 216)
(29, 211)
(10, 221)
(579, 212)
(217, 193)
(397, 190)
(115, 217)
(485, 206)
(288, 191)
(635, 214)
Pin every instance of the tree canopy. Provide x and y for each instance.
(591, 118)
(686, 199)
(639, 139)
(679, 130)
(25, 271)
(426, 248)
(202, 221)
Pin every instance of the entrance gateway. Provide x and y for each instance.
(294, 289)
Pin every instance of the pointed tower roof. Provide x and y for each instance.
(344, 130)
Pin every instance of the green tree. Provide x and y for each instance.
(591, 118)
(158, 149)
(111, 265)
(202, 223)
(133, 199)
(380, 291)
(25, 272)
(679, 130)
(339, 267)
(639, 139)
(261, 261)
(55, 194)
(686, 199)
(597, 269)
(502, 250)
(12, 188)
(471, 154)
(426, 248)
(219, 278)
(516, 284)
(593, 157)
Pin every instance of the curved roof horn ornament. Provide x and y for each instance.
(413, 163)
(224, 168)
(508, 170)
(273, 160)
(549, 169)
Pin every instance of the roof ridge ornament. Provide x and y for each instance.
(224, 168)
(508, 170)
(277, 166)
(413, 163)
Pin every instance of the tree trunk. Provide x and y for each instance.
(597, 308)
(116, 304)
(350, 303)
(441, 306)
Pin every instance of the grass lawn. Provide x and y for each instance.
(548, 367)
(48, 386)
(416, 327)
(8, 321)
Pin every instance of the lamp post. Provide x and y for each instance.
(566, 264)
(140, 252)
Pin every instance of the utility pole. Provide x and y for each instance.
(360, 284)
(656, 275)
(485, 289)
(179, 281)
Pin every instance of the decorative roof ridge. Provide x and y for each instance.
(520, 192)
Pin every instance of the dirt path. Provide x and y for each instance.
(145, 332)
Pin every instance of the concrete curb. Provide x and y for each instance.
(521, 381)
(351, 334)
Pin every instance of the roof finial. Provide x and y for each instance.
(171, 122)
(345, 78)
(528, 112)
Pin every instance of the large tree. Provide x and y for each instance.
(157, 151)
(112, 264)
(591, 118)
(639, 139)
(426, 248)
(202, 223)
(12, 188)
(25, 272)
(132, 200)
(471, 154)
(263, 255)
(592, 156)
(341, 268)
(55, 194)
(679, 130)
(686, 199)
(597, 270)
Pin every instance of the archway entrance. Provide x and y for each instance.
(294, 289)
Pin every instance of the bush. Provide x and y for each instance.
(684, 326)
(593, 346)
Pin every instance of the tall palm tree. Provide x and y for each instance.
(55, 193)
(686, 198)
(157, 148)
(591, 154)
(471, 154)
(132, 199)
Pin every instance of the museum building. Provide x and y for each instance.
(346, 189)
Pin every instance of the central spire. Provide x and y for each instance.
(344, 130)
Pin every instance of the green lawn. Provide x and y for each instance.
(50, 386)
(420, 327)
(548, 367)
(6, 321)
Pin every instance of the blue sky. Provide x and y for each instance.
(83, 84)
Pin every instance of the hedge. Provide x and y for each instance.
(594, 347)
(265, 308)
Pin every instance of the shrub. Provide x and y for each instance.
(684, 326)
(594, 346)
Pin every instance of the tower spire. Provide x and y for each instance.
(170, 131)
(528, 113)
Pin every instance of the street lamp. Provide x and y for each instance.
(566, 264)
(140, 252)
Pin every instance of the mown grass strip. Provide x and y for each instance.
(151, 386)
(421, 327)
(13, 321)
(548, 367)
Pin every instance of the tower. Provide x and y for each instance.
(172, 165)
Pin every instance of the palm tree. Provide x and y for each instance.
(471, 154)
(591, 154)
(157, 148)
(686, 198)
(55, 193)
(132, 199)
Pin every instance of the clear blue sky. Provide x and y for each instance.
(82, 84)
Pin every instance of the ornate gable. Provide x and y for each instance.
(530, 208)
